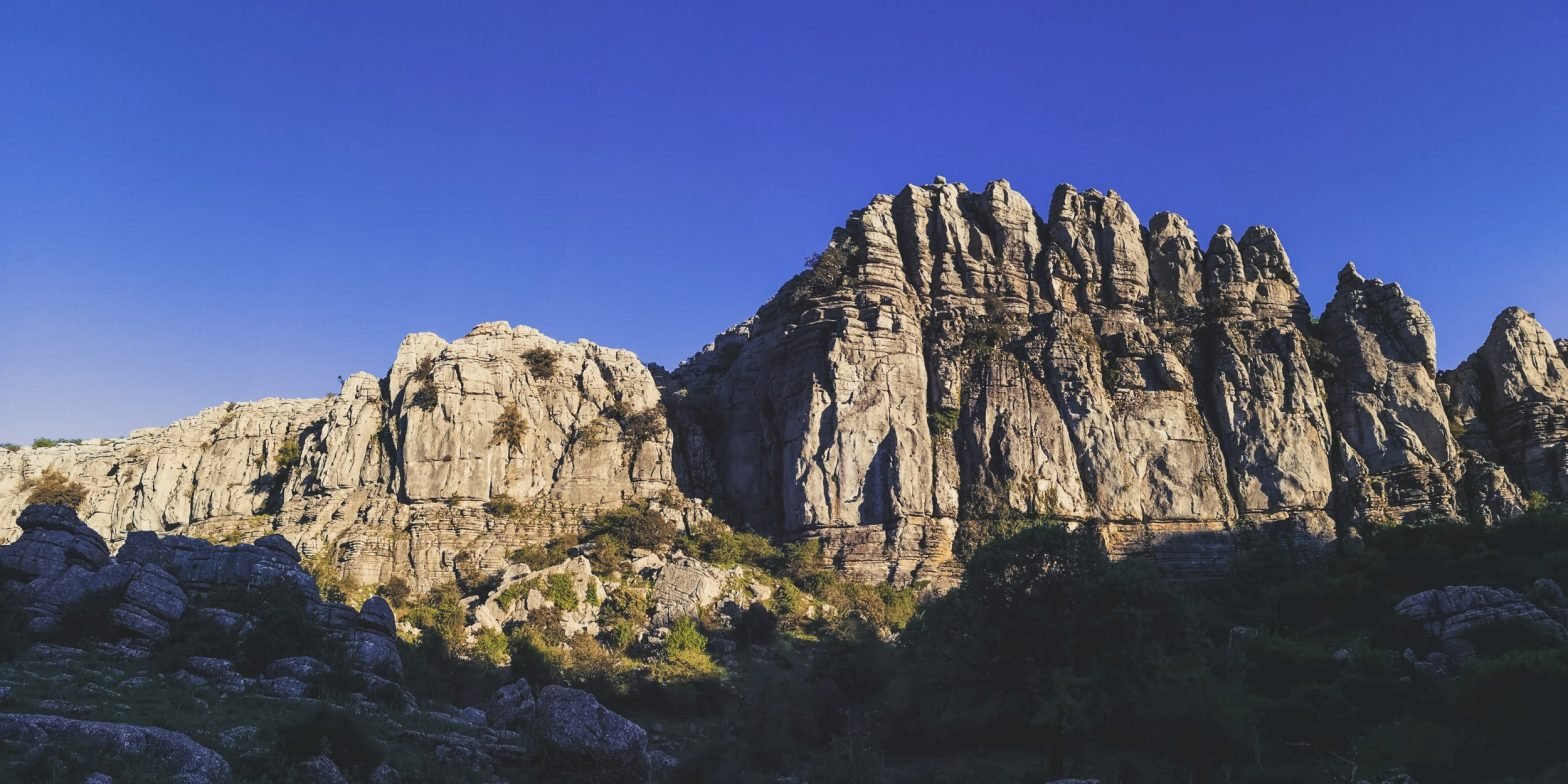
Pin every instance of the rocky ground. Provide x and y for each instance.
(179, 660)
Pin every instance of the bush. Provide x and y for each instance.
(396, 591)
(44, 443)
(503, 505)
(719, 544)
(471, 579)
(685, 637)
(423, 379)
(286, 459)
(942, 422)
(541, 362)
(509, 428)
(536, 656)
(491, 646)
(559, 589)
(637, 524)
(53, 487)
(643, 426)
(532, 555)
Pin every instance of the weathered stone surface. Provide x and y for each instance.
(511, 707)
(684, 587)
(1450, 614)
(953, 356)
(1510, 398)
(191, 762)
(393, 473)
(1397, 458)
(572, 723)
(52, 540)
(302, 668)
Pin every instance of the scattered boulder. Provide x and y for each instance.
(572, 724)
(684, 587)
(1450, 614)
(52, 540)
(511, 707)
(190, 762)
(318, 770)
(302, 668)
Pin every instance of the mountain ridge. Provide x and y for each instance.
(953, 355)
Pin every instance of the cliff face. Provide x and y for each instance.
(951, 358)
(392, 474)
(956, 356)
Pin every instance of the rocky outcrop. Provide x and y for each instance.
(151, 582)
(186, 761)
(572, 725)
(951, 357)
(956, 355)
(390, 476)
(1450, 615)
(1395, 456)
(1509, 400)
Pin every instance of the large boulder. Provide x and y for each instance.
(1453, 613)
(572, 724)
(511, 707)
(52, 540)
(685, 587)
(188, 762)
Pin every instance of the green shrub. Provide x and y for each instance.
(559, 589)
(643, 426)
(285, 460)
(491, 646)
(717, 543)
(541, 362)
(503, 505)
(685, 637)
(942, 422)
(423, 380)
(53, 487)
(637, 524)
(11, 447)
(44, 443)
(396, 591)
(532, 555)
(536, 656)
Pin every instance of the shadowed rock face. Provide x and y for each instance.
(953, 356)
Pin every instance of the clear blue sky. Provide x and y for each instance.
(204, 201)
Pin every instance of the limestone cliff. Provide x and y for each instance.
(951, 357)
(392, 474)
(955, 356)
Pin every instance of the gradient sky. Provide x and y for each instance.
(202, 202)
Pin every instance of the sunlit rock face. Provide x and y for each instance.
(957, 355)
(951, 358)
(392, 475)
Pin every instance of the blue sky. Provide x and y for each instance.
(203, 202)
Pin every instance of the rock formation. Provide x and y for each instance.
(957, 356)
(391, 476)
(951, 357)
